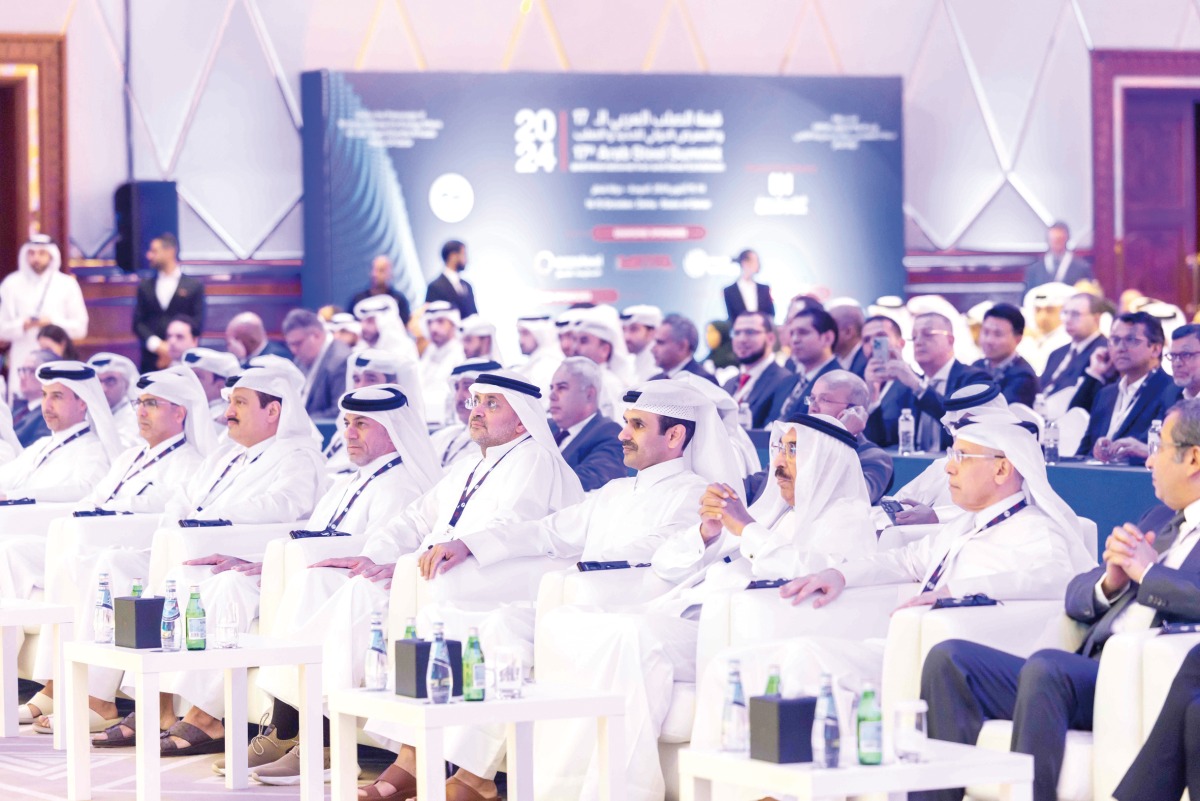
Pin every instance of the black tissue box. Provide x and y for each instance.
(137, 622)
(412, 660)
(781, 729)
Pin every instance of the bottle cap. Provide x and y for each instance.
(773, 670)
(377, 619)
(735, 664)
(472, 632)
(194, 589)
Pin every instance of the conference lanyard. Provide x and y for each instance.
(469, 491)
(145, 466)
(446, 455)
(333, 524)
(334, 447)
(1119, 415)
(221, 478)
(932, 583)
(62, 444)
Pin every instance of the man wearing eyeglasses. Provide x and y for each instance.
(1081, 320)
(759, 376)
(1002, 330)
(1123, 411)
(118, 376)
(813, 335)
(28, 423)
(1146, 579)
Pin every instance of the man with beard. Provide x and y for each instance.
(381, 284)
(450, 286)
(440, 356)
(539, 345)
(758, 376)
(639, 324)
(163, 297)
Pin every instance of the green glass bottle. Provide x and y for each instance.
(773, 686)
(870, 727)
(195, 622)
(410, 629)
(474, 675)
(135, 589)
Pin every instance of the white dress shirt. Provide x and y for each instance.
(749, 293)
(573, 431)
(165, 285)
(1126, 396)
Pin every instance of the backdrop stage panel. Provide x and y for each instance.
(605, 188)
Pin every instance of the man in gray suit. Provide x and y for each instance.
(1058, 264)
(587, 439)
(322, 359)
(1147, 579)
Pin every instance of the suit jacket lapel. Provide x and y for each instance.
(1144, 396)
(573, 442)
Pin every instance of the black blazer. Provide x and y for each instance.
(1074, 369)
(440, 288)
(883, 424)
(272, 348)
(595, 454)
(329, 382)
(734, 305)
(1151, 404)
(785, 390)
(1018, 381)
(29, 426)
(858, 365)
(691, 366)
(1173, 594)
(762, 394)
(150, 319)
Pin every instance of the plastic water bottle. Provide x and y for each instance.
(171, 635)
(1039, 404)
(195, 622)
(735, 723)
(745, 416)
(773, 685)
(826, 732)
(1154, 437)
(410, 629)
(474, 672)
(439, 679)
(376, 674)
(103, 623)
(135, 588)
(908, 432)
(870, 727)
(1050, 442)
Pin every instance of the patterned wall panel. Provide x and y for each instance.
(997, 107)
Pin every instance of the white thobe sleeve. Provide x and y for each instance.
(561, 534)
(75, 316)
(76, 483)
(405, 532)
(895, 565)
(684, 554)
(11, 324)
(12, 473)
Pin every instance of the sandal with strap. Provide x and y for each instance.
(458, 790)
(404, 782)
(114, 738)
(44, 704)
(96, 723)
(198, 742)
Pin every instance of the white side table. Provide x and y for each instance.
(946, 765)
(428, 722)
(148, 664)
(16, 614)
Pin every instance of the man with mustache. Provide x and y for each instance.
(759, 376)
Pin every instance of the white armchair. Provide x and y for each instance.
(285, 558)
(172, 545)
(32, 519)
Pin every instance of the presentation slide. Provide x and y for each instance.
(616, 189)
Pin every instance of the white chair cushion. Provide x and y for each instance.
(677, 728)
(1075, 781)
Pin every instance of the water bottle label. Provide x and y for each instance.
(870, 737)
(478, 675)
(196, 628)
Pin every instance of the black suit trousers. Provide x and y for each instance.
(1169, 761)
(966, 684)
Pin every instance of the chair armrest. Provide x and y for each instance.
(899, 536)
(31, 520)
(1161, 659)
(762, 615)
(549, 597)
(285, 558)
(1117, 714)
(173, 546)
(406, 595)
(77, 535)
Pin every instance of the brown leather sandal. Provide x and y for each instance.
(458, 790)
(198, 742)
(404, 782)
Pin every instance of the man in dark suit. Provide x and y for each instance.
(1081, 320)
(587, 439)
(381, 284)
(246, 337)
(449, 286)
(321, 358)
(849, 351)
(746, 294)
(1058, 264)
(759, 376)
(844, 396)
(1122, 411)
(28, 424)
(674, 348)
(813, 336)
(162, 297)
(1146, 579)
(1001, 332)
(923, 393)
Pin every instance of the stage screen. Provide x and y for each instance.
(616, 189)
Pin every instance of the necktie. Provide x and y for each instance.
(743, 379)
(1062, 367)
(561, 435)
(794, 399)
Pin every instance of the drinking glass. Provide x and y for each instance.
(911, 739)
(227, 626)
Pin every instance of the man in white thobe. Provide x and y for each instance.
(272, 472)
(478, 337)
(638, 324)
(10, 446)
(38, 293)
(642, 655)
(1017, 541)
(175, 437)
(520, 476)
(213, 368)
(65, 466)
(453, 443)
(674, 438)
(538, 338)
(369, 368)
(382, 327)
(443, 353)
(597, 336)
(118, 376)
(394, 463)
